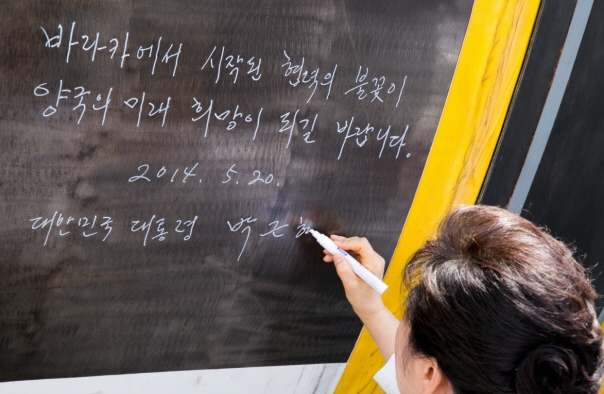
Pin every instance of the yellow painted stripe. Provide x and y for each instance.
(484, 81)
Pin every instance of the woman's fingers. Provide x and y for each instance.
(362, 250)
(363, 298)
(344, 270)
(360, 245)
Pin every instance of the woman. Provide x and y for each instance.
(495, 305)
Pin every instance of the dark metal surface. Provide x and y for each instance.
(568, 190)
(521, 122)
(140, 284)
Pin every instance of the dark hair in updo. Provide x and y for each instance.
(503, 307)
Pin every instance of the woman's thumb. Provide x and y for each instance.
(342, 267)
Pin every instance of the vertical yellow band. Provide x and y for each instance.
(491, 57)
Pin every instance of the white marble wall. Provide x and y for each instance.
(295, 379)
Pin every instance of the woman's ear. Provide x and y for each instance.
(433, 379)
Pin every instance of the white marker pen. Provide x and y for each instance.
(357, 267)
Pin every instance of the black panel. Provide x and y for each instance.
(529, 98)
(153, 235)
(567, 194)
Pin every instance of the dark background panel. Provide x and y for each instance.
(233, 294)
(566, 193)
(543, 54)
(568, 190)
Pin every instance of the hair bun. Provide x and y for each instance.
(551, 369)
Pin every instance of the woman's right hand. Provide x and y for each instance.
(364, 299)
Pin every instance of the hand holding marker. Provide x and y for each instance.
(357, 267)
